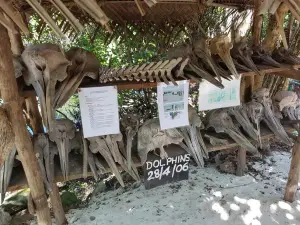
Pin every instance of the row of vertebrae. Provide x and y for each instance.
(163, 71)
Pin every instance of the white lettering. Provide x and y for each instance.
(156, 163)
(149, 165)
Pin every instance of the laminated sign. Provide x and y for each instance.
(173, 104)
(99, 111)
(212, 97)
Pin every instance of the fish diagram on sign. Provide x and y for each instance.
(222, 95)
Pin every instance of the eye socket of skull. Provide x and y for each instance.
(40, 68)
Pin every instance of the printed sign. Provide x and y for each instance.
(173, 104)
(99, 111)
(212, 97)
(162, 171)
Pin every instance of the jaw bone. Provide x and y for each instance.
(193, 70)
(151, 137)
(262, 96)
(261, 57)
(202, 51)
(47, 65)
(240, 114)
(193, 138)
(283, 55)
(255, 112)
(84, 63)
(221, 121)
(112, 143)
(242, 53)
(98, 144)
(61, 135)
(131, 126)
(5, 173)
(221, 46)
(42, 152)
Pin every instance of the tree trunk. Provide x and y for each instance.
(11, 99)
(291, 186)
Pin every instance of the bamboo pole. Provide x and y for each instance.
(11, 99)
(292, 184)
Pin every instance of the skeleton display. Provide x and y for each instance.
(288, 104)
(154, 71)
(83, 63)
(131, 126)
(262, 96)
(45, 156)
(261, 57)
(221, 46)
(283, 55)
(241, 117)
(64, 130)
(151, 137)
(221, 121)
(5, 173)
(242, 55)
(46, 64)
(193, 138)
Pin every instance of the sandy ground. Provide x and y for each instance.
(207, 198)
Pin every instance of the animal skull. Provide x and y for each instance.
(84, 63)
(151, 137)
(221, 121)
(262, 96)
(47, 65)
(64, 131)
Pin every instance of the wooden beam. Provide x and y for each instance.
(11, 99)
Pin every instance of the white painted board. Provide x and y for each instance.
(99, 111)
(173, 104)
(212, 97)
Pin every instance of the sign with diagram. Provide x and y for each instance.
(163, 171)
(212, 97)
(173, 104)
(99, 111)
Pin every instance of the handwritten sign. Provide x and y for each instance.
(162, 171)
(99, 111)
(173, 104)
(212, 97)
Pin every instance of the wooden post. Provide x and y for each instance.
(241, 162)
(33, 112)
(11, 99)
(292, 184)
(36, 124)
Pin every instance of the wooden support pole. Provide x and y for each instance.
(292, 184)
(34, 115)
(11, 99)
(241, 162)
(36, 124)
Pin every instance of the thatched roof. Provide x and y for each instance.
(65, 15)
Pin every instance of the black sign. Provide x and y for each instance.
(162, 171)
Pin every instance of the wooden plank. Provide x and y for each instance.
(241, 162)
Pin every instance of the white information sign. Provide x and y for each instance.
(173, 104)
(212, 97)
(99, 111)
